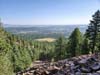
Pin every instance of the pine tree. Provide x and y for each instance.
(85, 46)
(75, 41)
(60, 49)
(6, 67)
(93, 31)
(1, 23)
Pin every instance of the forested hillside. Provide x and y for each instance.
(17, 54)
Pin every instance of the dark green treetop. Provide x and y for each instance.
(93, 31)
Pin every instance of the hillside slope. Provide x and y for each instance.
(15, 53)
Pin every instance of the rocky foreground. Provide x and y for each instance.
(81, 65)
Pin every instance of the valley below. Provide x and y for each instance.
(43, 31)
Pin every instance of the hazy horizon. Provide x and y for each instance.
(27, 25)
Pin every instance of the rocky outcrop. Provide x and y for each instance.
(82, 65)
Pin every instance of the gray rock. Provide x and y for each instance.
(95, 67)
(85, 69)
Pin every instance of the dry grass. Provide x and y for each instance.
(46, 40)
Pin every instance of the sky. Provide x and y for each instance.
(47, 12)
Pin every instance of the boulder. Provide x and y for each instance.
(95, 67)
(86, 69)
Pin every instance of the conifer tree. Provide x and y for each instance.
(60, 49)
(85, 46)
(6, 67)
(93, 31)
(75, 41)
